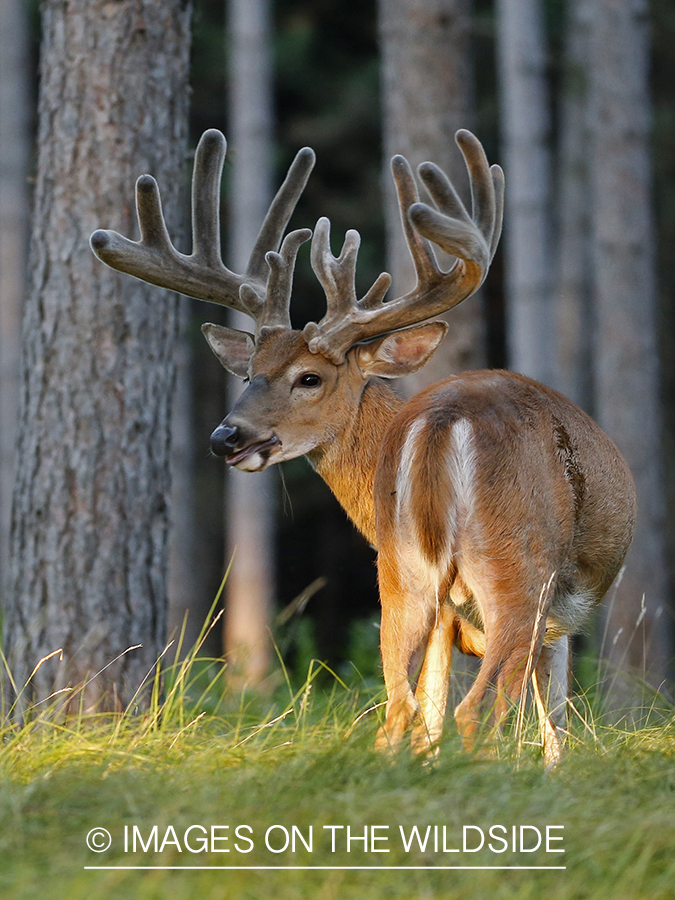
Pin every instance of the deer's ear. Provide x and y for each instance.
(400, 352)
(233, 348)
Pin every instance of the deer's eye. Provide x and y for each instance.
(310, 380)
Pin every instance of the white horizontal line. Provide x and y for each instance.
(323, 868)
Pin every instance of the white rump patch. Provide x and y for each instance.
(462, 470)
(414, 567)
(403, 475)
(460, 466)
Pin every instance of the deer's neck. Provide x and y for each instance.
(348, 464)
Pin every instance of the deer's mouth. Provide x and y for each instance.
(254, 456)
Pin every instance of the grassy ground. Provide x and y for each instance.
(247, 779)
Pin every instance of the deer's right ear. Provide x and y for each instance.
(234, 349)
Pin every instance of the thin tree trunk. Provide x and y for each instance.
(250, 498)
(427, 94)
(574, 274)
(188, 604)
(525, 127)
(627, 383)
(89, 535)
(14, 157)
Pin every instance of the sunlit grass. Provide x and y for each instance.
(204, 754)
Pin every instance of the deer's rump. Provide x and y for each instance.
(494, 488)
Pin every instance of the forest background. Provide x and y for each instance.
(331, 90)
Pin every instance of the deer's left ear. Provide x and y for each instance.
(400, 352)
(233, 348)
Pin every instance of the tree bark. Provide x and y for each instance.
(14, 204)
(188, 600)
(525, 128)
(427, 94)
(627, 381)
(573, 296)
(249, 498)
(90, 521)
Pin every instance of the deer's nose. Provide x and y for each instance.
(224, 439)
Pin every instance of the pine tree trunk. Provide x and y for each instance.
(573, 299)
(188, 600)
(427, 93)
(89, 536)
(14, 159)
(249, 498)
(627, 383)
(525, 128)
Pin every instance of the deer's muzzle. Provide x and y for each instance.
(240, 450)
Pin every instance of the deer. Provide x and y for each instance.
(500, 512)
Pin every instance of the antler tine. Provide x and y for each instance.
(276, 310)
(202, 274)
(280, 211)
(487, 189)
(336, 275)
(423, 258)
(497, 174)
(337, 278)
(470, 238)
(206, 176)
(155, 259)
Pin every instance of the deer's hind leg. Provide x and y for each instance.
(551, 682)
(433, 683)
(514, 634)
(409, 613)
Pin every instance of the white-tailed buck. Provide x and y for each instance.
(500, 511)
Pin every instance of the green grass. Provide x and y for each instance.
(302, 758)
